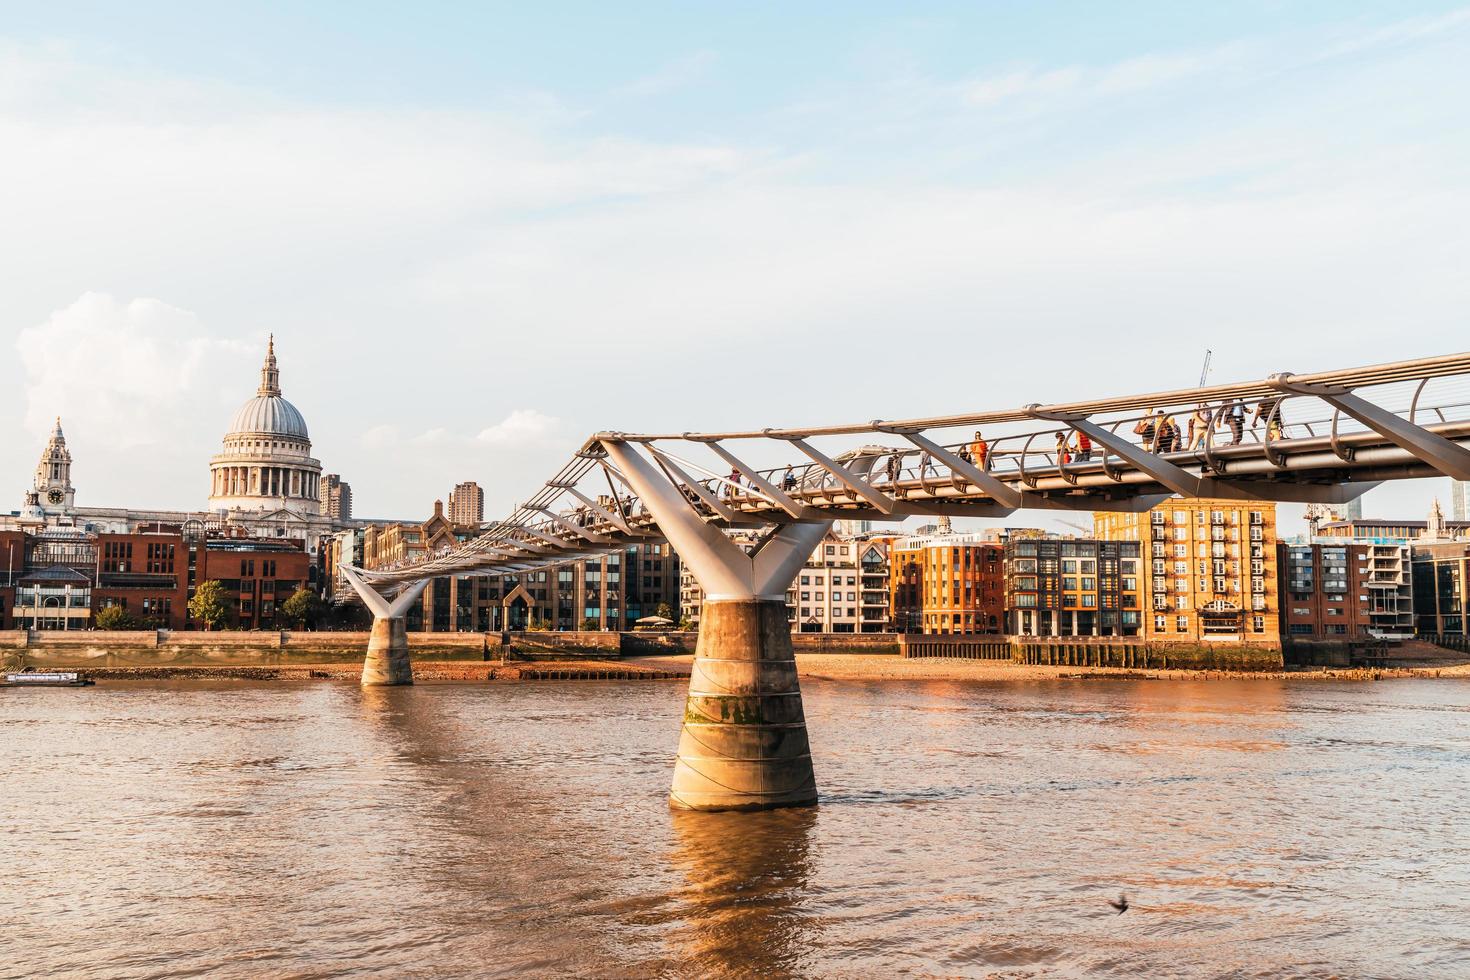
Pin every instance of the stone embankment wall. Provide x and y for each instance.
(82, 649)
(1095, 651)
(148, 648)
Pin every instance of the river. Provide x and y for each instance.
(313, 829)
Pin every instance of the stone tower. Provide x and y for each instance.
(52, 490)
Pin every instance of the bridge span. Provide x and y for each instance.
(1311, 438)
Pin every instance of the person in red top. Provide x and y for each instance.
(1084, 447)
(1063, 456)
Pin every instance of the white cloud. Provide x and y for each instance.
(521, 427)
(142, 367)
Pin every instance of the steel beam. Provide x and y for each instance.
(1436, 450)
(798, 510)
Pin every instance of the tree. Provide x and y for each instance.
(116, 618)
(209, 605)
(665, 610)
(591, 625)
(302, 607)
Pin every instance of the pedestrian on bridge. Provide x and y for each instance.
(1084, 447)
(1064, 456)
(979, 449)
(1233, 413)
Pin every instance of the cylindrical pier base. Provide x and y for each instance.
(744, 743)
(387, 660)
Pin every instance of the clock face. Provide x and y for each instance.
(56, 496)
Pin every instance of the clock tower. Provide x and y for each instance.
(52, 490)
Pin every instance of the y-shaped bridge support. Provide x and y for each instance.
(744, 743)
(387, 660)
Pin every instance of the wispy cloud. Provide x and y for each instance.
(677, 74)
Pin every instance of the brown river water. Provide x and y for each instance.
(313, 829)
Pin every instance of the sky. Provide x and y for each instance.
(481, 232)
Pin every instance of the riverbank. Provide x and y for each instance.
(844, 668)
(837, 667)
(424, 671)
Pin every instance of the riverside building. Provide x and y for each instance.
(1073, 587)
(947, 583)
(1209, 568)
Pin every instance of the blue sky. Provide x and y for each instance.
(483, 231)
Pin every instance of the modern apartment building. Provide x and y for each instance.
(1073, 587)
(947, 583)
(1439, 576)
(842, 588)
(1209, 568)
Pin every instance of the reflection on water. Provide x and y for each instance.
(312, 829)
(743, 905)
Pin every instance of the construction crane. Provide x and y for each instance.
(1204, 372)
(1086, 531)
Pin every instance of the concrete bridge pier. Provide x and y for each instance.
(387, 662)
(743, 744)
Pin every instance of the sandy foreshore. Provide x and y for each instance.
(889, 668)
(428, 670)
(839, 667)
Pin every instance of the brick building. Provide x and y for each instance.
(146, 575)
(1324, 591)
(948, 583)
(1209, 568)
(257, 576)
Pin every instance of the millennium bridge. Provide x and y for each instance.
(1320, 438)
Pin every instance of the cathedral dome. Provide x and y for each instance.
(268, 415)
(266, 464)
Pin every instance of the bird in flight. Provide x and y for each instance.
(1121, 904)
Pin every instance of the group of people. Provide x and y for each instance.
(1161, 433)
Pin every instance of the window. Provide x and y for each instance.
(1181, 602)
(1181, 624)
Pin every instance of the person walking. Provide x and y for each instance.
(1063, 456)
(1233, 412)
(788, 481)
(1148, 428)
(732, 484)
(895, 467)
(1199, 427)
(979, 449)
(1084, 447)
(1166, 436)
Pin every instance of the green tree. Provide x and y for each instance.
(116, 618)
(591, 625)
(209, 605)
(665, 610)
(302, 607)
